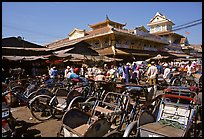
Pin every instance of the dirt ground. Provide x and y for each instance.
(32, 127)
(26, 123)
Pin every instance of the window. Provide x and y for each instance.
(157, 28)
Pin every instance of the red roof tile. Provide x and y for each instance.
(99, 31)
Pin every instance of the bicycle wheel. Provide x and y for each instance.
(40, 108)
(114, 134)
(74, 103)
(58, 114)
(131, 130)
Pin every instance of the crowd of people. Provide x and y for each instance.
(129, 73)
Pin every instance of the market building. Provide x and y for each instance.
(178, 44)
(110, 38)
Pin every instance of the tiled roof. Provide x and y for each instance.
(67, 42)
(106, 21)
(53, 44)
(166, 33)
(99, 31)
(160, 15)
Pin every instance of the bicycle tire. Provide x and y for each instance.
(40, 108)
(58, 114)
(131, 130)
(114, 134)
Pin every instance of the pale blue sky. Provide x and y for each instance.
(46, 22)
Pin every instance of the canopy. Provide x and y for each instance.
(26, 58)
(158, 57)
(109, 51)
(82, 48)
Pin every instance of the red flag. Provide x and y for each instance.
(187, 32)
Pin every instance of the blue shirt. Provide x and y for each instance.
(73, 76)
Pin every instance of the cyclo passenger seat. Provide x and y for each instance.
(135, 90)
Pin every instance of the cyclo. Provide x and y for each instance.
(105, 116)
(175, 114)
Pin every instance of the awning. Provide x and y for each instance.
(26, 58)
(140, 54)
(109, 51)
(106, 59)
(158, 57)
(181, 55)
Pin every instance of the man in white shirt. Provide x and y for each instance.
(167, 71)
(152, 73)
(67, 71)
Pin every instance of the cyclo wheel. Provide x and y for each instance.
(114, 134)
(40, 108)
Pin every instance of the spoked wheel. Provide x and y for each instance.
(75, 102)
(113, 134)
(58, 113)
(91, 102)
(131, 130)
(40, 108)
(72, 94)
(40, 91)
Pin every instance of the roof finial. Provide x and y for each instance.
(107, 17)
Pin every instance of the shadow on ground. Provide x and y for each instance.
(23, 131)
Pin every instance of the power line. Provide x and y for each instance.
(184, 27)
(31, 31)
(188, 23)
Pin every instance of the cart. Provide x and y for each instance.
(107, 115)
(174, 115)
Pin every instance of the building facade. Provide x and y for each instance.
(111, 38)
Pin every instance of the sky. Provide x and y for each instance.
(45, 22)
